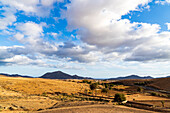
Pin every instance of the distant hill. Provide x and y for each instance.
(161, 83)
(131, 77)
(61, 75)
(15, 75)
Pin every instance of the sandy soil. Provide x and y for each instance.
(143, 97)
(96, 109)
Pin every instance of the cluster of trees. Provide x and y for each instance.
(86, 81)
(107, 86)
(118, 97)
(94, 86)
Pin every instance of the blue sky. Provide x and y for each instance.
(97, 39)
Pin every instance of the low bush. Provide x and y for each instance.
(154, 94)
(86, 81)
(119, 97)
(140, 89)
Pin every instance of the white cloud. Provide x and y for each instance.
(101, 25)
(30, 29)
(30, 35)
(168, 25)
(82, 13)
(20, 55)
(40, 8)
(105, 37)
(24, 60)
(163, 2)
(33, 7)
(8, 19)
(55, 35)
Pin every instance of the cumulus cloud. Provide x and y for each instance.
(101, 25)
(20, 55)
(148, 53)
(104, 35)
(24, 60)
(4, 53)
(32, 7)
(40, 8)
(77, 53)
(157, 49)
(86, 13)
(35, 47)
(8, 17)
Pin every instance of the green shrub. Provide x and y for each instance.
(93, 86)
(163, 103)
(140, 89)
(44, 94)
(90, 92)
(154, 94)
(119, 97)
(86, 81)
(104, 90)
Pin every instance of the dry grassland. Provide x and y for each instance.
(29, 94)
(40, 86)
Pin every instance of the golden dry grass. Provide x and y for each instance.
(40, 86)
(23, 92)
(119, 87)
(30, 94)
(143, 97)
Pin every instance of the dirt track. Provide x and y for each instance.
(96, 109)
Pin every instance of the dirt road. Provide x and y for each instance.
(96, 109)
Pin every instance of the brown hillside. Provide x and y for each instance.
(161, 83)
(40, 86)
(132, 81)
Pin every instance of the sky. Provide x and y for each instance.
(90, 38)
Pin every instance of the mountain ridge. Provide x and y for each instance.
(62, 75)
(131, 77)
(15, 75)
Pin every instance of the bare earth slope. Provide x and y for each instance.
(161, 83)
(97, 109)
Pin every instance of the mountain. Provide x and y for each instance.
(61, 75)
(15, 75)
(131, 77)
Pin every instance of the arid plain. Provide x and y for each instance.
(19, 95)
